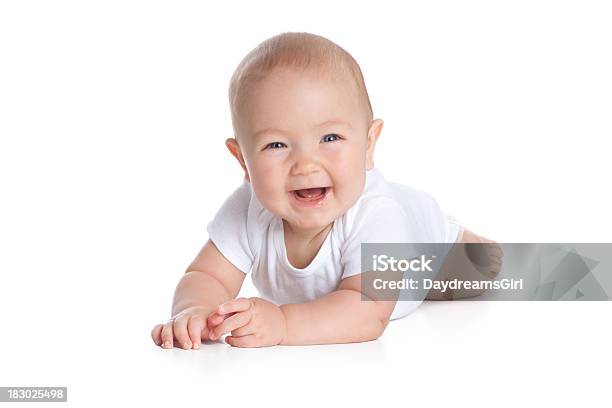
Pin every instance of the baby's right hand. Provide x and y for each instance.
(188, 328)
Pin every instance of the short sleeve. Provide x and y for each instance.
(428, 221)
(228, 229)
(379, 220)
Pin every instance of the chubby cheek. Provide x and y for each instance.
(349, 178)
(349, 188)
(349, 157)
(269, 186)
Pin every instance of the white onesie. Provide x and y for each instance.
(252, 239)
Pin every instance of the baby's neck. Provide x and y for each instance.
(303, 245)
(305, 236)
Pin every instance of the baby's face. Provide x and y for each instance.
(298, 131)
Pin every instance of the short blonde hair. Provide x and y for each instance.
(296, 50)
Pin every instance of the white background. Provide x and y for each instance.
(112, 121)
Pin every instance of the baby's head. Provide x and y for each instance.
(302, 119)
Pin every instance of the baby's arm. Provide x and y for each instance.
(209, 281)
(339, 317)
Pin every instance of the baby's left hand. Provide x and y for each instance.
(253, 322)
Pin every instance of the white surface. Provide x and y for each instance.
(112, 121)
(456, 353)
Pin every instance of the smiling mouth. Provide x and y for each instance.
(310, 195)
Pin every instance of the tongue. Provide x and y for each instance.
(310, 192)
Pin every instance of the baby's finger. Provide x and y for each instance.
(235, 305)
(244, 341)
(167, 337)
(243, 331)
(156, 334)
(496, 268)
(194, 327)
(205, 334)
(231, 323)
(496, 251)
(214, 319)
(180, 332)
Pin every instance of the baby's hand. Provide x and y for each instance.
(253, 322)
(188, 328)
(486, 255)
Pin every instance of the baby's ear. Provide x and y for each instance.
(373, 135)
(234, 148)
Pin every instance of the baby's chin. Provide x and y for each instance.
(308, 224)
(308, 219)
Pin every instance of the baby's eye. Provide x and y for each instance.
(331, 135)
(274, 145)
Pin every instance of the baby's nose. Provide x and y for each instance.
(305, 164)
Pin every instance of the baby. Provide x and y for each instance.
(305, 138)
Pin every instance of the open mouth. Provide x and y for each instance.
(310, 196)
